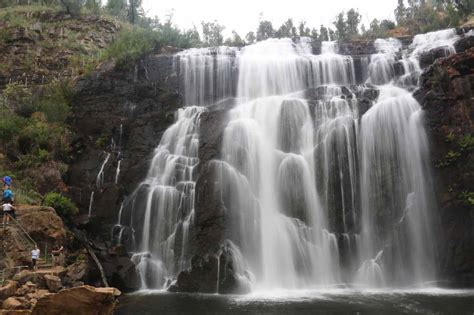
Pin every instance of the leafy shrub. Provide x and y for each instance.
(467, 197)
(55, 103)
(10, 126)
(466, 142)
(131, 44)
(18, 98)
(62, 204)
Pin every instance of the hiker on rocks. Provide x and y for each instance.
(8, 210)
(7, 182)
(57, 255)
(7, 196)
(35, 254)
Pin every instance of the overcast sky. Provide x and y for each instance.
(243, 15)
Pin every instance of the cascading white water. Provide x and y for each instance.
(207, 74)
(316, 191)
(161, 210)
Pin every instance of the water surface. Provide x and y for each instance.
(337, 301)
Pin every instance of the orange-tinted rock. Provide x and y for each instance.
(8, 289)
(82, 300)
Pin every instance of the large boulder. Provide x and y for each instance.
(8, 289)
(12, 304)
(26, 276)
(82, 300)
(53, 283)
(42, 224)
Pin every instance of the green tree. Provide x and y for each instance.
(303, 30)
(212, 33)
(72, 7)
(353, 20)
(287, 29)
(235, 40)
(341, 26)
(93, 6)
(400, 13)
(135, 11)
(117, 8)
(323, 33)
(265, 30)
(192, 37)
(250, 37)
(332, 34)
(314, 34)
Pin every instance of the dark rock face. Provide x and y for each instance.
(361, 47)
(446, 95)
(430, 56)
(121, 113)
(210, 274)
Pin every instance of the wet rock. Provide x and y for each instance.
(356, 47)
(81, 300)
(464, 44)
(427, 58)
(209, 275)
(8, 289)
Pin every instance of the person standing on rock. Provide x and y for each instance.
(7, 212)
(35, 253)
(7, 196)
(57, 255)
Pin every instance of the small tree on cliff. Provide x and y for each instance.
(72, 7)
(250, 37)
(212, 33)
(265, 30)
(117, 8)
(353, 20)
(323, 33)
(341, 26)
(303, 30)
(287, 29)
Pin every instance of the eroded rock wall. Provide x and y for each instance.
(447, 96)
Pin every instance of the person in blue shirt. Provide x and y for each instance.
(7, 181)
(7, 196)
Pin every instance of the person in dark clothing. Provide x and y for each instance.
(57, 255)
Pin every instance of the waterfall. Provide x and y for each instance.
(322, 180)
(117, 171)
(91, 201)
(161, 210)
(100, 175)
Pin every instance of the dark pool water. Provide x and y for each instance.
(428, 301)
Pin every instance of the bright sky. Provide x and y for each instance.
(243, 15)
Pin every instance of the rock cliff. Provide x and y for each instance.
(446, 94)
